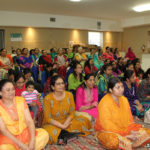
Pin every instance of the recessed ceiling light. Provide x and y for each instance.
(142, 8)
(75, 0)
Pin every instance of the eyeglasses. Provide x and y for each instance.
(59, 83)
(20, 82)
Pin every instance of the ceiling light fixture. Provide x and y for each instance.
(142, 8)
(75, 0)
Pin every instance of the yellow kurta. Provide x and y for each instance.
(115, 121)
(60, 111)
(18, 128)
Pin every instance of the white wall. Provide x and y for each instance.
(137, 21)
(42, 20)
(145, 61)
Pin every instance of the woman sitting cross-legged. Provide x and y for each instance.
(59, 112)
(87, 96)
(115, 128)
(17, 131)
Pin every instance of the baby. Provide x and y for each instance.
(31, 96)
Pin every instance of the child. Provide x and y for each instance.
(31, 96)
(28, 75)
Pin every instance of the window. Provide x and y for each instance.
(95, 38)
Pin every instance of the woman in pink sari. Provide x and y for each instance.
(87, 96)
(130, 54)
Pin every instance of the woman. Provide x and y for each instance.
(19, 84)
(28, 75)
(87, 96)
(89, 67)
(81, 56)
(130, 54)
(47, 88)
(115, 127)
(25, 61)
(59, 112)
(144, 88)
(16, 59)
(35, 57)
(116, 54)
(130, 92)
(62, 61)
(108, 54)
(44, 60)
(120, 64)
(76, 78)
(5, 64)
(17, 129)
(69, 55)
(102, 80)
(115, 70)
(137, 67)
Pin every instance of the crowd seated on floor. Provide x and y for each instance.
(71, 91)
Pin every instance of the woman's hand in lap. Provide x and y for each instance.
(32, 145)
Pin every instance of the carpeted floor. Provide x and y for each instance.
(85, 143)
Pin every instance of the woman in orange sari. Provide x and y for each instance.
(17, 131)
(115, 128)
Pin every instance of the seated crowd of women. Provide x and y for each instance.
(75, 99)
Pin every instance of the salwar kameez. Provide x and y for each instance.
(115, 122)
(60, 111)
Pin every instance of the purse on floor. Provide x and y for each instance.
(65, 137)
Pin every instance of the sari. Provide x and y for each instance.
(115, 122)
(19, 128)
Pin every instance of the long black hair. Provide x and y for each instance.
(87, 76)
(54, 79)
(112, 82)
(104, 68)
(74, 73)
(2, 83)
(17, 77)
(87, 63)
(147, 73)
(128, 74)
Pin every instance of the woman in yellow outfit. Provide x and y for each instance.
(115, 128)
(59, 112)
(17, 131)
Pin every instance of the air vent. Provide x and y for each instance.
(52, 19)
(98, 25)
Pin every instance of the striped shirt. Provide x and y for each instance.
(30, 97)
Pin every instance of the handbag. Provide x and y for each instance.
(65, 137)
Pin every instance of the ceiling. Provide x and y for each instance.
(100, 9)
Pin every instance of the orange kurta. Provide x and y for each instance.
(114, 120)
(60, 111)
(18, 127)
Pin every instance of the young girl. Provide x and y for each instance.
(19, 84)
(28, 75)
(31, 96)
(103, 78)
